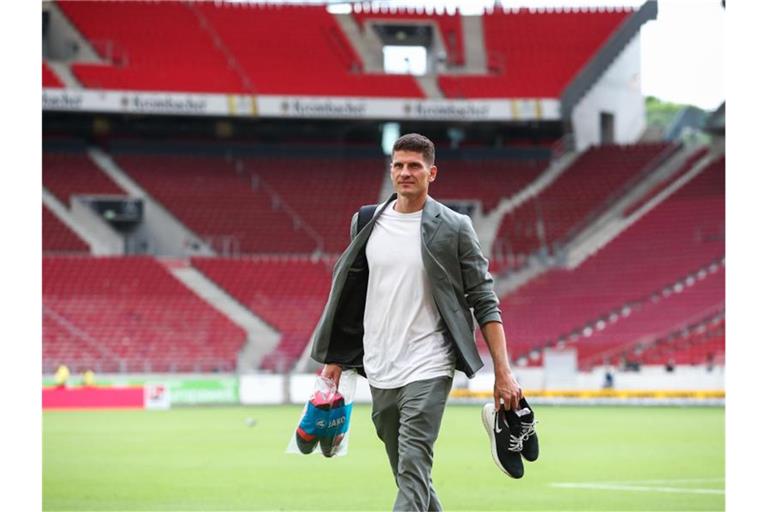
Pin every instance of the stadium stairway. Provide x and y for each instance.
(429, 87)
(475, 55)
(365, 43)
(166, 234)
(261, 339)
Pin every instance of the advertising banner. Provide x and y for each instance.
(203, 391)
(134, 102)
(161, 393)
(156, 396)
(302, 107)
(93, 398)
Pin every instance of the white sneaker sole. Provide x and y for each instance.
(487, 415)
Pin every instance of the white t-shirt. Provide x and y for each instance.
(404, 337)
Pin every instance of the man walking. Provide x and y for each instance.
(399, 313)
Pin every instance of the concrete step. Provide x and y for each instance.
(65, 74)
(475, 55)
(430, 87)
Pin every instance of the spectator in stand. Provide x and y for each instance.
(710, 361)
(88, 379)
(62, 376)
(608, 380)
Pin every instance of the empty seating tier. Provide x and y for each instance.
(486, 180)
(592, 179)
(128, 314)
(236, 211)
(323, 192)
(683, 234)
(288, 293)
(702, 344)
(690, 162)
(224, 48)
(309, 41)
(681, 305)
(535, 54)
(150, 46)
(68, 174)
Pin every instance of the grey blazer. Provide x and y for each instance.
(458, 277)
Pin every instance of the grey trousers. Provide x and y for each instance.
(408, 420)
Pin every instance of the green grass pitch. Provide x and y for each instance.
(592, 459)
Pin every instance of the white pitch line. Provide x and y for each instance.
(618, 487)
(664, 481)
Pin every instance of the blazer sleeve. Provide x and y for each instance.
(477, 281)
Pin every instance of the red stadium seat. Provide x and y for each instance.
(535, 54)
(677, 239)
(50, 79)
(274, 205)
(486, 180)
(68, 174)
(172, 53)
(288, 293)
(224, 48)
(585, 185)
(128, 314)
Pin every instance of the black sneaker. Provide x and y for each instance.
(505, 447)
(530, 449)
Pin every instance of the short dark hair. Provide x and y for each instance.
(417, 143)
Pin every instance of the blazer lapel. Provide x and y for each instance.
(430, 220)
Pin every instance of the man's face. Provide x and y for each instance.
(410, 174)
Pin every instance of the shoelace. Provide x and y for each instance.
(528, 429)
(515, 442)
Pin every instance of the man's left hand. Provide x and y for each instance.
(506, 390)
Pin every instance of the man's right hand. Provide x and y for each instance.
(332, 372)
